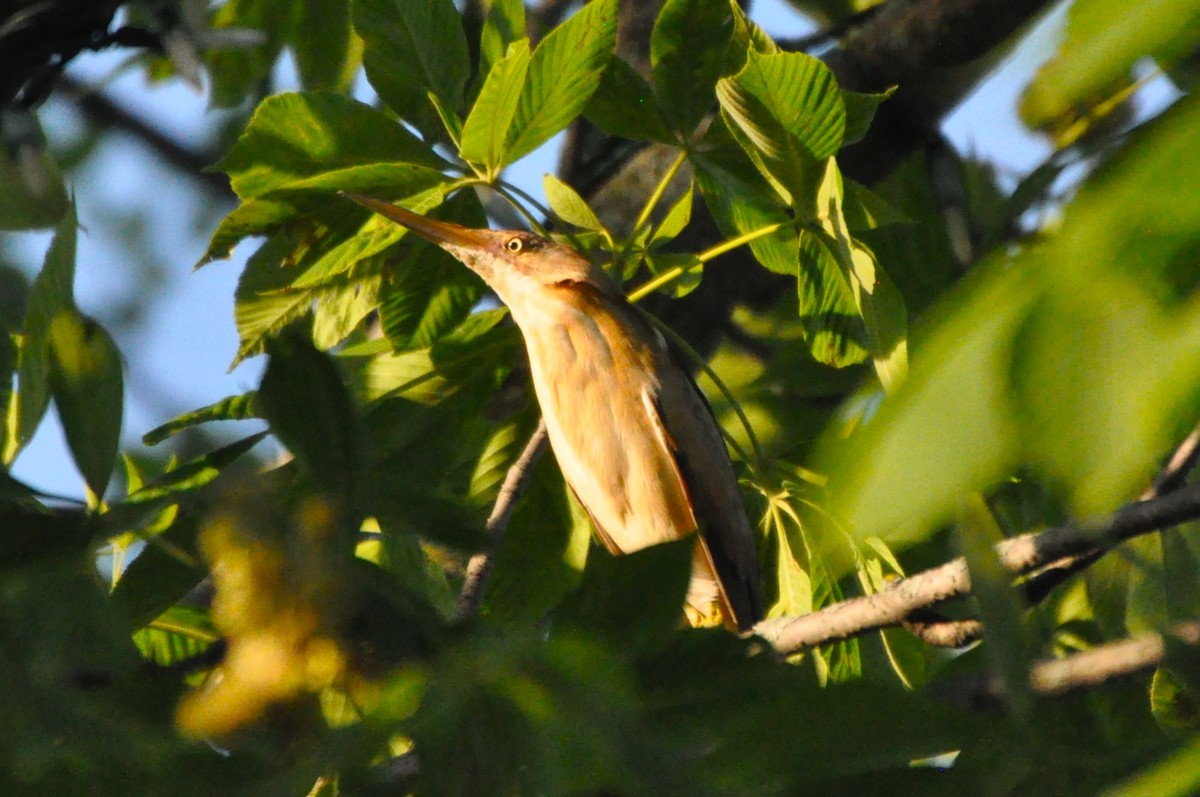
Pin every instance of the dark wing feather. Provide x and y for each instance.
(699, 452)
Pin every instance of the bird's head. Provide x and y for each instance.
(517, 265)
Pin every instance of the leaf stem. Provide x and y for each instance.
(660, 189)
(673, 274)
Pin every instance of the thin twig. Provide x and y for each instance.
(895, 603)
(515, 481)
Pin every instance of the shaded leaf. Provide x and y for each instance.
(321, 42)
(305, 400)
(624, 105)
(88, 389)
(503, 25)
(413, 49)
(688, 55)
(634, 599)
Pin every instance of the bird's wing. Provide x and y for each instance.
(691, 436)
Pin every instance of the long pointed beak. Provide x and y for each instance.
(439, 232)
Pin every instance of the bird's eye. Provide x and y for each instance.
(514, 245)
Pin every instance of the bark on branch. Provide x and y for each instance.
(894, 604)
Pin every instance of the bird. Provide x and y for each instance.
(634, 437)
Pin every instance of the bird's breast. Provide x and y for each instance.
(596, 381)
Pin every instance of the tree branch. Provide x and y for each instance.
(515, 481)
(895, 603)
(1105, 662)
(110, 116)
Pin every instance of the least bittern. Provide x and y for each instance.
(633, 435)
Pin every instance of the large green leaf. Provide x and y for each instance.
(688, 53)
(299, 135)
(1105, 38)
(88, 389)
(563, 73)
(310, 201)
(788, 114)
(53, 292)
(624, 105)
(741, 201)
(321, 42)
(1050, 358)
(414, 49)
(308, 406)
(487, 126)
(635, 599)
(543, 552)
(375, 236)
(833, 326)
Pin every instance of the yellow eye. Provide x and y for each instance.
(514, 245)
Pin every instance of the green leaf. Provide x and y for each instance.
(376, 235)
(741, 202)
(431, 295)
(320, 41)
(305, 400)
(833, 326)
(543, 552)
(1105, 38)
(950, 430)
(178, 634)
(230, 408)
(414, 48)
(569, 205)
(860, 112)
(310, 200)
(624, 105)
(564, 72)
(1176, 775)
(688, 54)
(787, 113)
(300, 135)
(263, 304)
(52, 292)
(86, 381)
(487, 126)
(503, 25)
(865, 210)
(876, 299)
(162, 574)
(689, 267)
(1006, 648)
(676, 219)
(32, 193)
(338, 313)
(173, 484)
(634, 599)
